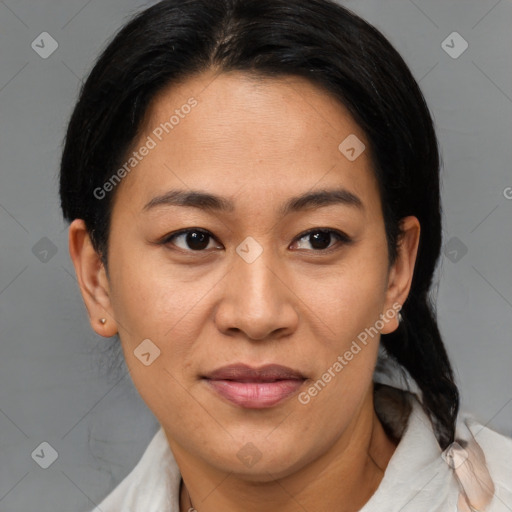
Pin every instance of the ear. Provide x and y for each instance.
(401, 272)
(92, 279)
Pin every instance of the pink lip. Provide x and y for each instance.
(255, 388)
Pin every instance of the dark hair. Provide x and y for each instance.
(332, 48)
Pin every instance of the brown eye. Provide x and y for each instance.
(190, 239)
(320, 239)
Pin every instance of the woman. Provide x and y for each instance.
(253, 191)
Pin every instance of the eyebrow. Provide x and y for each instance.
(213, 203)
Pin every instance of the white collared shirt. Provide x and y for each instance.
(417, 478)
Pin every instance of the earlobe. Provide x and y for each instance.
(402, 271)
(92, 279)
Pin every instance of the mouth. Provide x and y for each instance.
(255, 388)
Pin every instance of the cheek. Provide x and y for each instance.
(151, 299)
(348, 299)
(346, 356)
(347, 308)
(167, 305)
(150, 304)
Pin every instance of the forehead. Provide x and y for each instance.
(237, 135)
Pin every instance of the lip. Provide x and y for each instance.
(255, 388)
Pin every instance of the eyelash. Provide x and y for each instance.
(339, 235)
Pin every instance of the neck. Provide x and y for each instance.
(342, 479)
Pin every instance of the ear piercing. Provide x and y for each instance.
(400, 318)
(103, 321)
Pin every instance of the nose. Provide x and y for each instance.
(257, 300)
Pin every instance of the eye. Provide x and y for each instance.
(191, 239)
(320, 239)
(198, 240)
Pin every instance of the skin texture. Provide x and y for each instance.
(258, 143)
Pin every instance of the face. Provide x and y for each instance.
(267, 272)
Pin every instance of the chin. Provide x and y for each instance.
(260, 457)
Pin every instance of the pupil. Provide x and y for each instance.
(320, 239)
(197, 240)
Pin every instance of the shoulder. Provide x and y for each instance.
(481, 459)
(496, 447)
(152, 485)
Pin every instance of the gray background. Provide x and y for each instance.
(54, 383)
